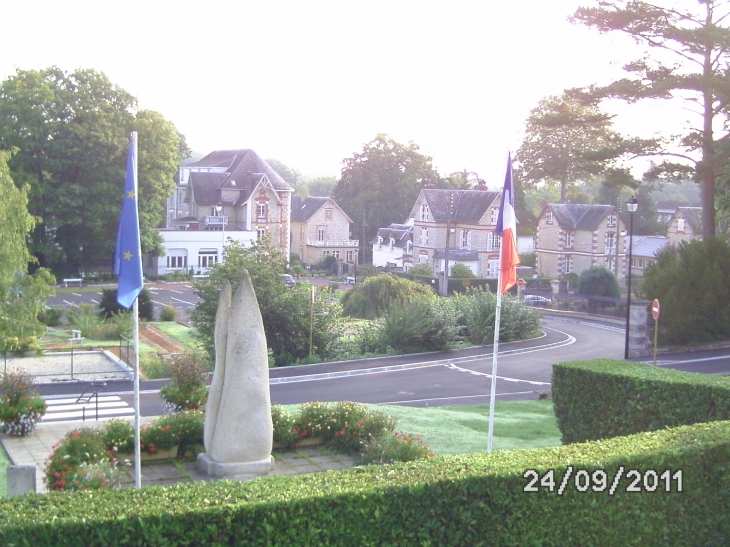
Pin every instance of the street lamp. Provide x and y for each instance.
(219, 208)
(81, 261)
(631, 205)
(357, 257)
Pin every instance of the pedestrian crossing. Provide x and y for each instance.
(59, 410)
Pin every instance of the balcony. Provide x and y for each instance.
(221, 220)
(334, 243)
(610, 250)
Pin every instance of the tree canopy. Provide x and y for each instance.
(687, 54)
(380, 184)
(71, 131)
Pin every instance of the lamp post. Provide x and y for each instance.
(219, 208)
(631, 205)
(357, 257)
(81, 261)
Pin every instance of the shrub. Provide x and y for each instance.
(186, 389)
(598, 281)
(119, 435)
(168, 313)
(51, 317)
(79, 446)
(692, 282)
(378, 293)
(20, 407)
(155, 366)
(108, 306)
(421, 324)
(394, 446)
(461, 271)
(184, 429)
(284, 427)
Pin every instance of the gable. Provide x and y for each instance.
(467, 206)
(571, 216)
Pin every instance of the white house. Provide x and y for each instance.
(393, 246)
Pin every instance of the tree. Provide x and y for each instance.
(379, 185)
(108, 305)
(72, 134)
(690, 50)
(566, 141)
(292, 177)
(284, 311)
(461, 271)
(161, 150)
(22, 296)
(598, 281)
(373, 297)
(322, 186)
(692, 282)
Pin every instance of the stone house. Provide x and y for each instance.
(320, 228)
(685, 225)
(574, 237)
(393, 246)
(469, 217)
(228, 194)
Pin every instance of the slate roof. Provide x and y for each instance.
(244, 171)
(692, 216)
(574, 216)
(307, 208)
(401, 233)
(469, 205)
(647, 246)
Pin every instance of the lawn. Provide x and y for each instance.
(179, 332)
(4, 463)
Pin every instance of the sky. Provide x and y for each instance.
(311, 82)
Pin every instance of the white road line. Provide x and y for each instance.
(183, 301)
(679, 362)
(485, 395)
(72, 400)
(178, 292)
(75, 294)
(94, 301)
(90, 413)
(72, 304)
(489, 375)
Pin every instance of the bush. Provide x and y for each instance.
(421, 324)
(108, 306)
(601, 399)
(20, 407)
(155, 366)
(373, 297)
(460, 271)
(168, 313)
(598, 281)
(394, 446)
(692, 282)
(186, 389)
(79, 446)
(51, 317)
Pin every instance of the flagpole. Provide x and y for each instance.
(495, 350)
(137, 446)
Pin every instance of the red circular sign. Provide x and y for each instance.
(521, 282)
(655, 309)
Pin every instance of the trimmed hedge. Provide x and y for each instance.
(472, 500)
(601, 399)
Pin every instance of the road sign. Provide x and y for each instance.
(520, 282)
(655, 309)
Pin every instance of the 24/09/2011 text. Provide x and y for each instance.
(598, 481)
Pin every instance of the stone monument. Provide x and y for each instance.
(238, 428)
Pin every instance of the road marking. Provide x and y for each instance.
(59, 409)
(178, 292)
(94, 301)
(485, 395)
(75, 294)
(489, 375)
(72, 304)
(183, 301)
(666, 363)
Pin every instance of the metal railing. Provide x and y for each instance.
(333, 243)
(92, 392)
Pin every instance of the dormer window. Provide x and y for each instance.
(380, 243)
(392, 243)
(424, 212)
(680, 225)
(612, 219)
(549, 216)
(495, 216)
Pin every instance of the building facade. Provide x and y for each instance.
(320, 228)
(393, 246)
(574, 237)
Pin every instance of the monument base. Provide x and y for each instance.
(241, 470)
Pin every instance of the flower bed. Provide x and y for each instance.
(20, 407)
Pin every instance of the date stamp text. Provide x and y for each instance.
(598, 480)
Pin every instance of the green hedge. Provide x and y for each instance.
(472, 500)
(603, 398)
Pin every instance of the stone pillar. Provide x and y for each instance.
(638, 333)
(20, 480)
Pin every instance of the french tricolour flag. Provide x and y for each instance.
(507, 229)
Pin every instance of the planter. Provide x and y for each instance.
(162, 454)
(309, 441)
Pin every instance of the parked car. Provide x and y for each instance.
(536, 300)
(288, 279)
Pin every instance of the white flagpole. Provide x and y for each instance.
(137, 449)
(495, 349)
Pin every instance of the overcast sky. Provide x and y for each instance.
(310, 82)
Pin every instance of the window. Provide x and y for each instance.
(177, 261)
(493, 268)
(549, 216)
(392, 243)
(569, 240)
(350, 257)
(380, 243)
(493, 241)
(214, 211)
(568, 268)
(680, 225)
(424, 237)
(321, 232)
(424, 212)
(325, 253)
(328, 214)
(409, 247)
(207, 258)
(610, 244)
(260, 233)
(336, 254)
(612, 219)
(423, 258)
(495, 216)
(466, 239)
(261, 212)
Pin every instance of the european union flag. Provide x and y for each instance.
(128, 261)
